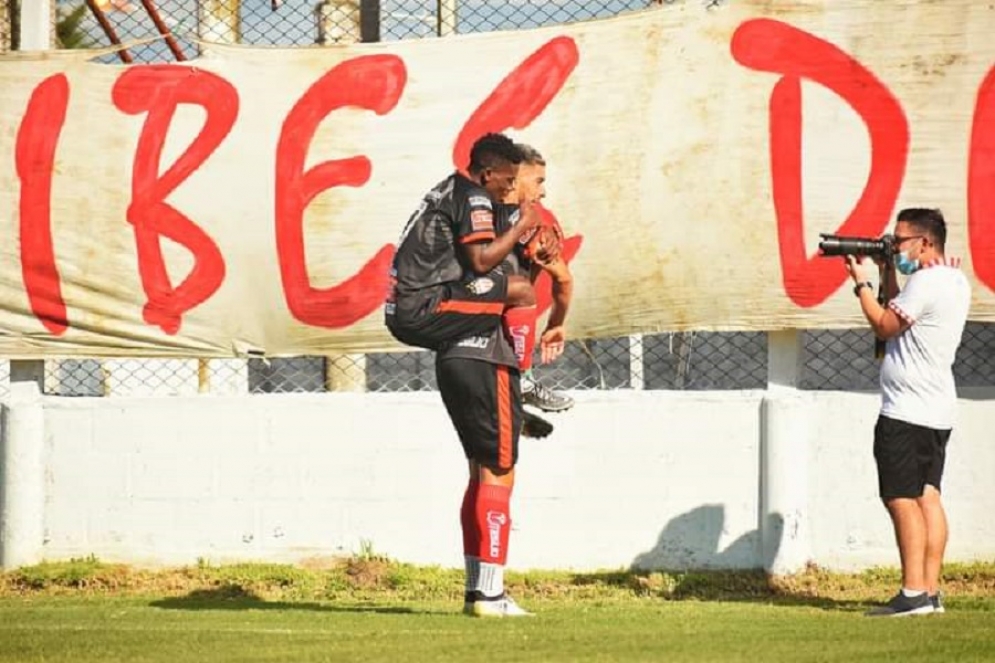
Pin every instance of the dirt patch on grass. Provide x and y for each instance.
(368, 573)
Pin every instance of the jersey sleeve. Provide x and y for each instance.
(914, 299)
(475, 218)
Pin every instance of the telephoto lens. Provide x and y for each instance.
(839, 245)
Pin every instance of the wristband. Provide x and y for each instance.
(860, 286)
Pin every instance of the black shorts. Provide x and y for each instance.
(451, 312)
(484, 402)
(908, 457)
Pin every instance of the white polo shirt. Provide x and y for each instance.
(917, 380)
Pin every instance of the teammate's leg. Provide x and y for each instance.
(520, 323)
(483, 401)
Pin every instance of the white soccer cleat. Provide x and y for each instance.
(503, 606)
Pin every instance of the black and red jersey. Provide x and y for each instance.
(456, 211)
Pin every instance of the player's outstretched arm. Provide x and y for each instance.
(553, 339)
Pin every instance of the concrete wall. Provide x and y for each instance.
(653, 479)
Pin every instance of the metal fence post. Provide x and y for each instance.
(347, 21)
(8, 25)
(445, 17)
(369, 20)
(36, 25)
(338, 22)
(219, 21)
(637, 379)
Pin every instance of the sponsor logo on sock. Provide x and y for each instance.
(495, 521)
(518, 334)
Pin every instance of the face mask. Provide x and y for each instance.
(904, 264)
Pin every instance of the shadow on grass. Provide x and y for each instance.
(729, 572)
(235, 597)
(748, 586)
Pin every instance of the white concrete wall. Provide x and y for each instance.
(659, 479)
(851, 529)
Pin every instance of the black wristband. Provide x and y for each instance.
(863, 284)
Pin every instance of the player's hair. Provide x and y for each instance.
(492, 150)
(927, 221)
(530, 155)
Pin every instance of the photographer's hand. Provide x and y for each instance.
(860, 271)
(885, 322)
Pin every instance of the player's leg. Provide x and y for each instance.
(900, 484)
(483, 400)
(456, 399)
(936, 542)
(520, 323)
(931, 504)
(471, 534)
(469, 308)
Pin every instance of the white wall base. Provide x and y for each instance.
(646, 479)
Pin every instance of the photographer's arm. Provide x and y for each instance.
(890, 281)
(884, 321)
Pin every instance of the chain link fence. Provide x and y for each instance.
(174, 29)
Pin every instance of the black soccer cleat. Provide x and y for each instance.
(535, 426)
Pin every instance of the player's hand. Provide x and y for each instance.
(557, 268)
(528, 216)
(552, 342)
(859, 270)
(548, 248)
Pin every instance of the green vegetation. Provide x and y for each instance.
(371, 608)
(69, 32)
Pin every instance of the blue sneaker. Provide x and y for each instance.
(937, 601)
(903, 606)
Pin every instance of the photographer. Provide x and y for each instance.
(922, 325)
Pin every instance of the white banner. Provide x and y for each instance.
(250, 200)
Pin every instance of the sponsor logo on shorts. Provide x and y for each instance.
(481, 220)
(480, 286)
(480, 342)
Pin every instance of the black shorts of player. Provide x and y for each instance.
(484, 402)
(908, 457)
(451, 312)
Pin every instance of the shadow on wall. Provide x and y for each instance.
(691, 541)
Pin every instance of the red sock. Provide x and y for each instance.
(468, 518)
(519, 326)
(494, 523)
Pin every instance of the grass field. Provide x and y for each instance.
(372, 610)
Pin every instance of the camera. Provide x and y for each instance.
(838, 245)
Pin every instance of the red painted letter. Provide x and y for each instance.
(768, 45)
(158, 90)
(521, 97)
(544, 283)
(375, 83)
(981, 184)
(518, 100)
(37, 139)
